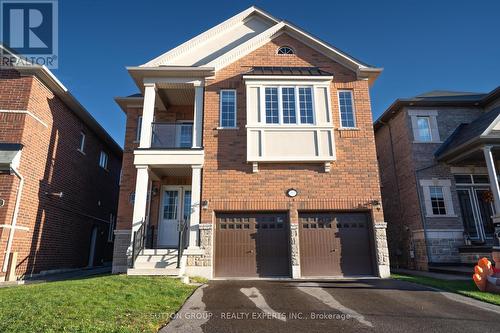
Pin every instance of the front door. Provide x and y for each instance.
(175, 211)
(477, 212)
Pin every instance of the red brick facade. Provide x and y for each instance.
(58, 228)
(228, 182)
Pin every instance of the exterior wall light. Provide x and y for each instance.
(292, 193)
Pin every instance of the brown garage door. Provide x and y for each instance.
(335, 244)
(251, 245)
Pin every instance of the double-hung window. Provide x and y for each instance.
(288, 105)
(346, 104)
(437, 200)
(228, 108)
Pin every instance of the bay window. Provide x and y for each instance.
(282, 104)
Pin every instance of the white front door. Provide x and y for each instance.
(174, 209)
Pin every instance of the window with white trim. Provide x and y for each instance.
(228, 108)
(138, 129)
(282, 104)
(346, 105)
(424, 126)
(285, 50)
(103, 160)
(437, 200)
(423, 130)
(437, 197)
(81, 149)
(306, 105)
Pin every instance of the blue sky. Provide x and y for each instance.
(422, 45)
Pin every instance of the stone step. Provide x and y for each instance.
(160, 252)
(154, 271)
(156, 264)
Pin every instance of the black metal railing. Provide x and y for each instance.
(138, 242)
(172, 135)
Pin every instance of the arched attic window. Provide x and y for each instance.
(285, 50)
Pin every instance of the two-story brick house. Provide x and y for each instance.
(59, 176)
(250, 150)
(437, 154)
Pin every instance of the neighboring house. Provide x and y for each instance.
(255, 140)
(59, 176)
(437, 154)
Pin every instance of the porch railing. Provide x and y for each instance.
(171, 135)
(138, 242)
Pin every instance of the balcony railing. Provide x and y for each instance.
(172, 135)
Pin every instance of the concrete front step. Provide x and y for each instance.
(156, 261)
(154, 271)
(159, 252)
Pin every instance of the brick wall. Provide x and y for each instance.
(228, 181)
(59, 228)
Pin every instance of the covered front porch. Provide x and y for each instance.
(472, 152)
(169, 162)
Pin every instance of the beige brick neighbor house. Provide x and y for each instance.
(437, 154)
(250, 152)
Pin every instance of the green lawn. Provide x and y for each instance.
(111, 303)
(466, 288)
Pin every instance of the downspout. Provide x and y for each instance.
(393, 158)
(422, 211)
(14, 220)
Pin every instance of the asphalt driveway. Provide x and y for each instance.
(337, 306)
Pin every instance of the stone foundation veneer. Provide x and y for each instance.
(199, 262)
(382, 251)
(294, 250)
(120, 256)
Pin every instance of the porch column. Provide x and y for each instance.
(141, 198)
(195, 206)
(198, 114)
(148, 112)
(495, 189)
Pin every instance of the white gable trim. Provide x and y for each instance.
(493, 124)
(205, 36)
(275, 31)
(246, 48)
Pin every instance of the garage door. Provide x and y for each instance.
(251, 245)
(335, 244)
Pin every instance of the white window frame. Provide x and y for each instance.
(280, 105)
(83, 137)
(138, 129)
(285, 54)
(103, 160)
(352, 106)
(445, 184)
(432, 116)
(235, 108)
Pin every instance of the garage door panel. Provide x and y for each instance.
(335, 244)
(251, 245)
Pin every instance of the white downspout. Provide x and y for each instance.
(14, 220)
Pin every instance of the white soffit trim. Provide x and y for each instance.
(205, 36)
